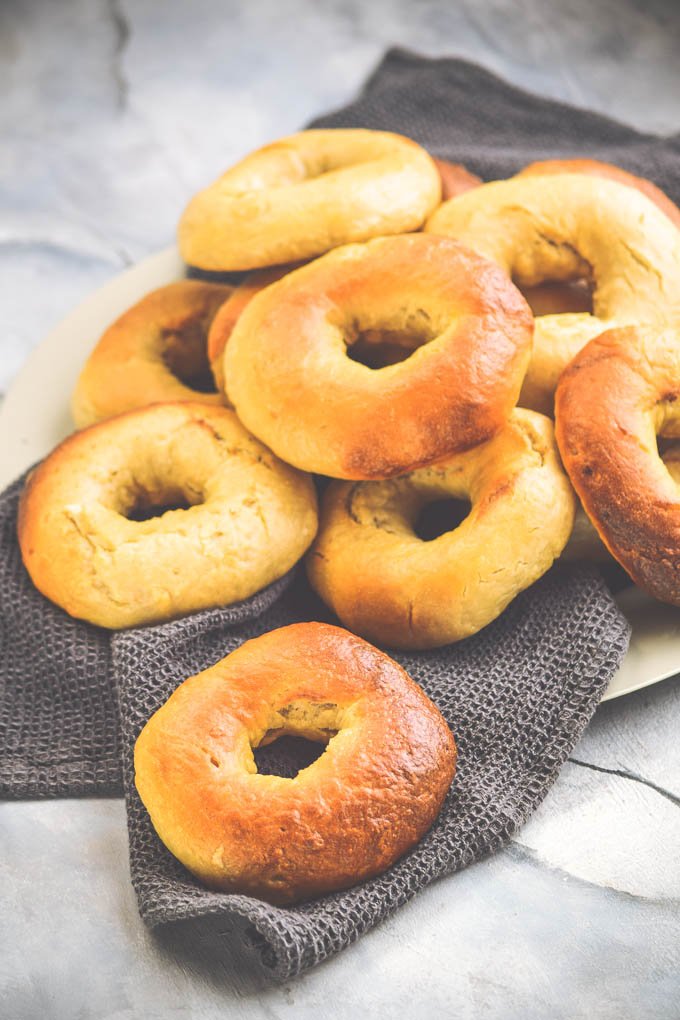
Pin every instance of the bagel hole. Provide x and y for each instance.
(185, 354)
(287, 755)
(439, 516)
(557, 297)
(665, 443)
(379, 348)
(146, 505)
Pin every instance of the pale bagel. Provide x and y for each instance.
(240, 517)
(387, 584)
(565, 227)
(308, 193)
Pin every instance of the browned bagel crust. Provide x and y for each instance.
(229, 313)
(611, 401)
(455, 178)
(293, 385)
(596, 168)
(132, 364)
(553, 298)
(371, 795)
(568, 227)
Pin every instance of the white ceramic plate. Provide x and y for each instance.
(35, 416)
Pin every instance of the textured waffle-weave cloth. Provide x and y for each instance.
(517, 697)
(464, 113)
(59, 728)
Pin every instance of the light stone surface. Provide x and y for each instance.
(113, 112)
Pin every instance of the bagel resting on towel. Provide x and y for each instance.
(238, 518)
(375, 790)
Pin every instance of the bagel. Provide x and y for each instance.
(291, 378)
(584, 542)
(384, 582)
(308, 193)
(373, 793)
(242, 518)
(228, 315)
(612, 401)
(544, 298)
(596, 168)
(552, 299)
(569, 227)
(155, 352)
(455, 178)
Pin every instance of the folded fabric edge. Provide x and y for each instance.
(280, 960)
(65, 780)
(247, 609)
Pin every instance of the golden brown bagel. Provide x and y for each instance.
(247, 518)
(572, 227)
(584, 542)
(612, 401)
(155, 351)
(596, 168)
(228, 315)
(385, 583)
(373, 793)
(308, 193)
(293, 382)
(455, 178)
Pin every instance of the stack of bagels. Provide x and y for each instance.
(500, 357)
(415, 351)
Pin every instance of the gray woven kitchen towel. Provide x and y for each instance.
(517, 696)
(58, 716)
(461, 112)
(59, 731)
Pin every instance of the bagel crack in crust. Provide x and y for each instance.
(373, 793)
(459, 340)
(161, 512)
(371, 567)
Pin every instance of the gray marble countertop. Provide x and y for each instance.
(113, 112)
